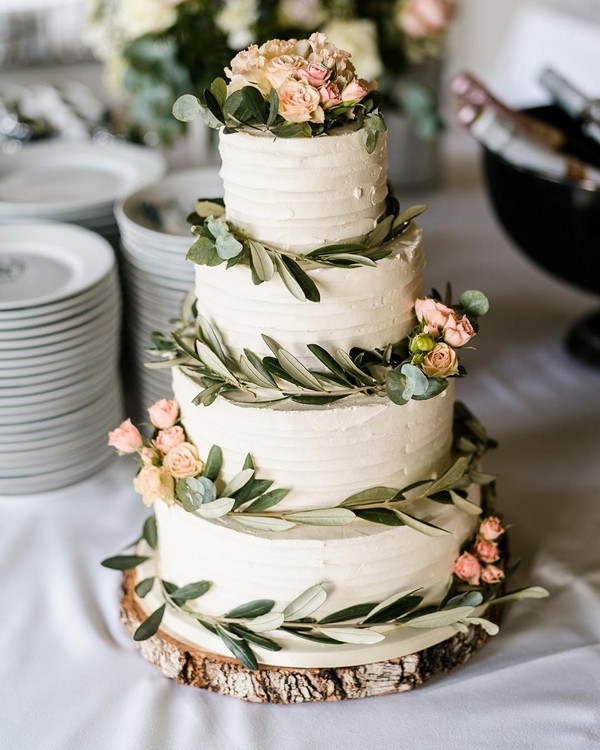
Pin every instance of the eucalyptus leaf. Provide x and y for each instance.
(305, 604)
(435, 386)
(474, 302)
(465, 505)
(123, 562)
(261, 261)
(218, 508)
(322, 517)
(149, 627)
(466, 599)
(418, 525)
(239, 648)
(214, 461)
(186, 108)
(238, 481)
(397, 388)
(362, 636)
(144, 587)
(202, 252)
(419, 380)
(255, 608)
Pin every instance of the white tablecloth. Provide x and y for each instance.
(70, 679)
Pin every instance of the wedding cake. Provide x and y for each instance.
(319, 501)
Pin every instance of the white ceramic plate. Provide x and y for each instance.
(52, 480)
(172, 197)
(41, 264)
(56, 177)
(61, 392)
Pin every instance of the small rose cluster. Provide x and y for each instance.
(440, 332)
(168, 456)
(476, 567)
(311, 77)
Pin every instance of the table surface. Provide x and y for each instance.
(70, 678)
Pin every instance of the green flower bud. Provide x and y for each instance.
(422, 342)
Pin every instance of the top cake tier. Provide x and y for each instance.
(297, 194)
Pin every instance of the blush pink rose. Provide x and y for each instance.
(126, 438)
(166, 440)
(468, 569)
(354, 91)
(486, 551)
(491, 528)
(492, 574)
(330, 96)
(432, 312)
(440, 362)
(299, 102)
(431, 330)
(425, 18)
(315, 73)
(458, 331)
(163, 414)
(154, 483)
(183, 461)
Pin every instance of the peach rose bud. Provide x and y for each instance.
(431, 311)
(354, 91)
(330, 96)
(163, 414)
(468, 569)
(440, 362)
(458, 331)
(126, 438)
(486, 551)
(155, 483)
(491, 528)
(166, 440)
(183, 461)
(492, 574)
(148, 456)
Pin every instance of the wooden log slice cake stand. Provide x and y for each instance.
(268, 684)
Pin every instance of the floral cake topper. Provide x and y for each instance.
(290, 88)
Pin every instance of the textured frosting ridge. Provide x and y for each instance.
(298, 193)
(364, 307)
(324, 454)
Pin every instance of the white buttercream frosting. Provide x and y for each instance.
(324, 454)
(365, 307)
(363, 562)
(299, 193)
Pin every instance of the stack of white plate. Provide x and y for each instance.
(59, 353)
(155, 238)
(76, 183)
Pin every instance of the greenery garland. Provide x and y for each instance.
(395, 371)
(218, 241)
(245, 626)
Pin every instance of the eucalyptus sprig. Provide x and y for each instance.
(218, 242)
(245, 626)
(248, 109)
(395, 371)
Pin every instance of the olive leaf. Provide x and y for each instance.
(305, 604)
(149, 627)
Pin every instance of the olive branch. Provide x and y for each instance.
(218, 241)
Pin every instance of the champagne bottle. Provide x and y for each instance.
(469, 90)
(503, 137)
(574, 102)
